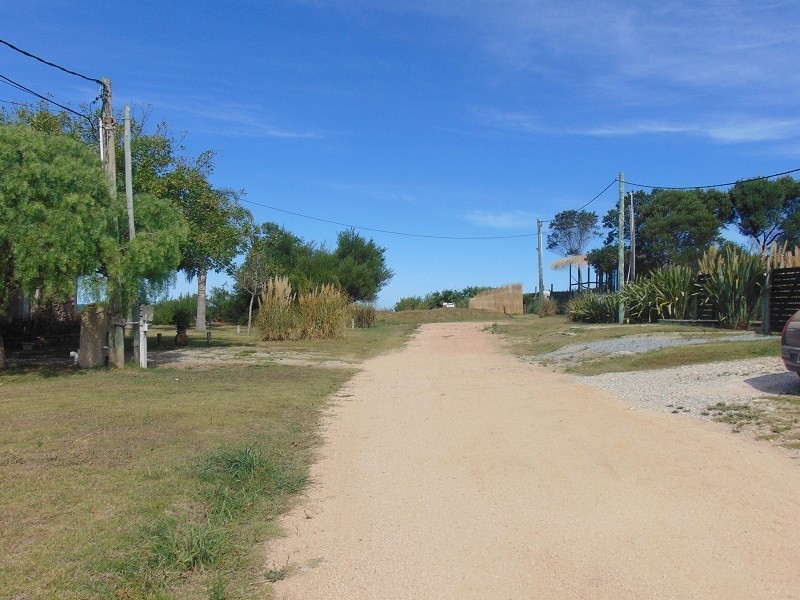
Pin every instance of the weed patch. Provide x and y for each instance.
(774, 418)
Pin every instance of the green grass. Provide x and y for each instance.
(529, 335)
(678, 356)
(127, 483)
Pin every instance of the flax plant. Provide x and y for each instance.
(734, 284)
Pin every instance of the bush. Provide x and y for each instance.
(733, 284)
(593, 308)
(227, 305)
(363, 315)
(675, 289)
(640, 301)
(409, 303)
(163, 312)
(321, 312)
(547, 307)
(276, 317)
(318, 314)
(181, 318)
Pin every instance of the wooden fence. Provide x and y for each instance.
(506, 299)
(783, 299)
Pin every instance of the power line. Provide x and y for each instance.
(716, 185)
(403, 233)
(598, 195)
(51, 64)
(21, 87)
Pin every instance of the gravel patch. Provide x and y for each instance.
(692, 389)
(634, 344)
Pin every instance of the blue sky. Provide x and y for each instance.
(438, 118)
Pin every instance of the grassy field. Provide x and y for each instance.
(165, 483)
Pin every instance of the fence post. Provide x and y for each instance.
(158, 339)
(765, 303)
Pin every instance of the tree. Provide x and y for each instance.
(257, 268)
(218, 226)
(362, 266)
(571, 231)
(676, 226)
(672, 227)
(57, 222)
(767, 210)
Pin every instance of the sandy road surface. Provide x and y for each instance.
(451, 470)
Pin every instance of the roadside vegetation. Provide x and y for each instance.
(773, 418)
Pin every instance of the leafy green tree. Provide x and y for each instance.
(218, 227)
(57, 222)
(676, 226)
(362, 266)
(767, 211)
(571, 231)
(673, 227)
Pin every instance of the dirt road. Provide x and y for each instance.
(452, 470)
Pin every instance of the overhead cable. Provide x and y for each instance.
(716, 185)
(51, 64)
(403, 233)
(21, 87)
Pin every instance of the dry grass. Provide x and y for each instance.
(321, 313)
(506, 299)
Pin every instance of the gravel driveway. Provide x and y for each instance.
(691, 389)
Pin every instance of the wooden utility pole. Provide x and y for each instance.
(116, 333)
(541, 268)
(621, 246)
(633, 241)
(139, 328)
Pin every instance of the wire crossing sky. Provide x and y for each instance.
(455, 121)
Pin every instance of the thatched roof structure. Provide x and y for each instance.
(576, 260)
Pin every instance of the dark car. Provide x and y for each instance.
(790, 343)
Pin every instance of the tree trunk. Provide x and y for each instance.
(250, 314)
(2, 352)
(200, 323)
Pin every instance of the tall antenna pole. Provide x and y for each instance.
(541, 269)
(621, 245)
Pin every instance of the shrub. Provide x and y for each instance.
(675, 289)
(547, 307)
(276, 317)
(593, 308)
(163, 312)
(409, 303)
(733, 284)
(181, 318)
(640, 302)
(363, 315)
(321, 312)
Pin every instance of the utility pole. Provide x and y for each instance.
(139, 328)
(633, 241)
(541, 269)
(116, 333)
(621, 245)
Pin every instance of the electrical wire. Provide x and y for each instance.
(402, 233)
(21, 87)
(51, 64)
(598, 195)
(716, 185)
